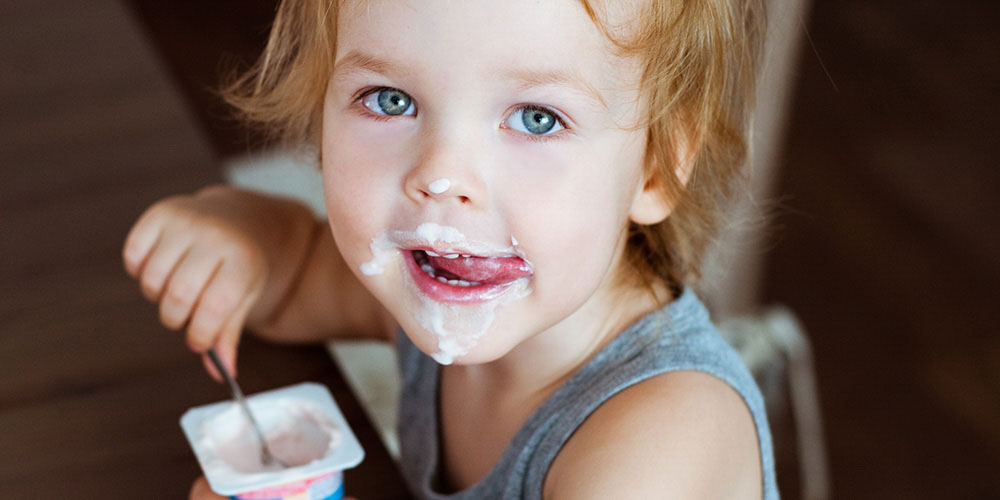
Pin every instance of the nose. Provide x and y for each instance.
(447, 170)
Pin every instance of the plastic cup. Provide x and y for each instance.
(304, 428)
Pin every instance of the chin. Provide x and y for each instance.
(458, 348)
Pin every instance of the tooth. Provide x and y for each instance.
(427, 269)
(465, 256)
(453, 282)
(451, 256)
(432, 254)
(463, 283)
(442, 279)
(474, 283)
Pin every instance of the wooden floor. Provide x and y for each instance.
(884, 243)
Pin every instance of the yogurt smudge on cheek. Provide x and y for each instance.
(383, 251)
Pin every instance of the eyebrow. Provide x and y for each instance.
(532, 78)
(356, 61)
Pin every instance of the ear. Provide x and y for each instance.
(652, 204)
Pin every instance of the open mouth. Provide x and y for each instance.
(443, 275)
(464, 278)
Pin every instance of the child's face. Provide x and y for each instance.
(495, 122)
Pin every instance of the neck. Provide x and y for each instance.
(538, 366)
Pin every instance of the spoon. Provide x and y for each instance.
(266, 457)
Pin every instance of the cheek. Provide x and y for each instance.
(360, 160)
(355, 192)
(572, 208)
(344, 188)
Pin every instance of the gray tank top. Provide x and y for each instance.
(678, 337)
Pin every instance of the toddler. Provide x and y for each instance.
(518, 195)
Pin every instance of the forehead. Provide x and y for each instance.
(478, 38)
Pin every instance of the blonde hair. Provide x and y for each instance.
(699, 62)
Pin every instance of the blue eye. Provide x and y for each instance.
(389, 102)
(534, 120)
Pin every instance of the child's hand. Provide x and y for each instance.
(208, 259)
(201, 491)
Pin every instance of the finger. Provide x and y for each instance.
(211, 369)
(200, 490)
(232, 331)
(139, 242)
(224, 295)
(226, 349)
(227, 343)
(186, 284)
(160, 265)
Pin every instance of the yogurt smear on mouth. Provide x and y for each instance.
(457, 285)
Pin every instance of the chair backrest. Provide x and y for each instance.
(732, 277)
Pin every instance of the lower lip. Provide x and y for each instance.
(443, 292)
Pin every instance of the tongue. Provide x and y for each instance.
(486, 270)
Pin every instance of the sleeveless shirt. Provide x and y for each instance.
(679, 336)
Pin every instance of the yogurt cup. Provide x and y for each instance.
(303, 427)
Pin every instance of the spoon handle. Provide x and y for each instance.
(265, 455)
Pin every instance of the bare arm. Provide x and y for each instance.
(325, 300)
(677, 435)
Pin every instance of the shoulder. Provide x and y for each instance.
(682, 434)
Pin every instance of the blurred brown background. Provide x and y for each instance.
(883, 239)
(886, 246)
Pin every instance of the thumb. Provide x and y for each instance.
(228, 341)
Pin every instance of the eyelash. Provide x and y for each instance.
(356, 102)
(542, 137)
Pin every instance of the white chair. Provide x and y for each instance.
(771, 340)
